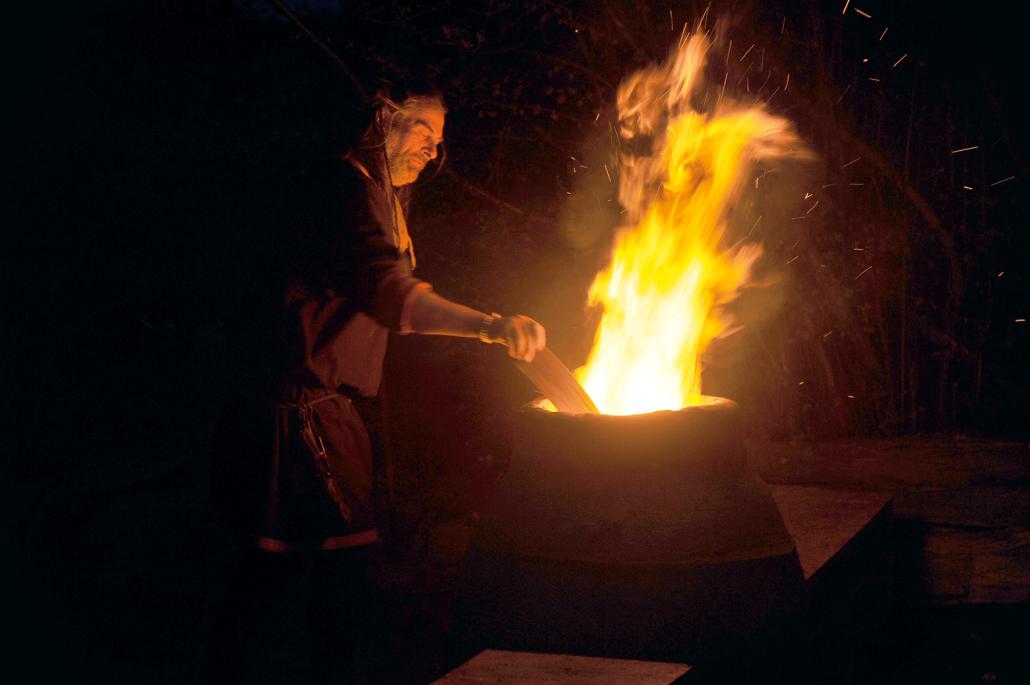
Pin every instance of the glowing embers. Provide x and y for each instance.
(670, 271)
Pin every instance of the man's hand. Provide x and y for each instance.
(523, 336)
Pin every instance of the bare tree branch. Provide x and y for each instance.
(476, 190)
(325, 48)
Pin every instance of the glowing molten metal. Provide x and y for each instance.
(670, 272)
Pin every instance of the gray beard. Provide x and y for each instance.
(402, 173)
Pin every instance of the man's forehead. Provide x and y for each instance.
(431, 116)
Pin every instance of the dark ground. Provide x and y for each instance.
(962, 644)
(113, 564)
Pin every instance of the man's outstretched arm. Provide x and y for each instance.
(432, 314)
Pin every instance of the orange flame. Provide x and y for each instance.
(670, 272)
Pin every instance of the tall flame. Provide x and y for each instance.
(670, 272)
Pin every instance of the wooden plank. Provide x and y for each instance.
(888, 465)
(971, 566)
(994, 506)
(844, 543)
(500, 667)
(823, 521)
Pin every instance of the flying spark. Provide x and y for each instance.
(844, 93)
(812, 207)
(900, 60)
(965, 149)
(845, 10)
(1004, 180)
(851, 162)
(967, 187)
(759, 220)
(864, 14)
(884, 32)
(746, 53)
(792, 259)
(874, 79)
(863, 272)
(765, 173)
(767, 76)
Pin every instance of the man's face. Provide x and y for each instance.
(412, 142)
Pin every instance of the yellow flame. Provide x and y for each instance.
(670, 272)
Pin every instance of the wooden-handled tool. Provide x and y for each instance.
(554, 380)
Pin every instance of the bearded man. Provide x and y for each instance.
(293, 463)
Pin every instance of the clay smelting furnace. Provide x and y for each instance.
(642, 536)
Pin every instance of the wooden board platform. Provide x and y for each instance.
(845, 543)
(499, 667)
(823, 522)
(961, 507)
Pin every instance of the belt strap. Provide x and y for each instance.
(300, 406)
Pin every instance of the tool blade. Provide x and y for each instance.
(554, 380)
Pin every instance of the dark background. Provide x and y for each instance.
(154, 149)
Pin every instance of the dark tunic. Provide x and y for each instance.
(293, 463)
